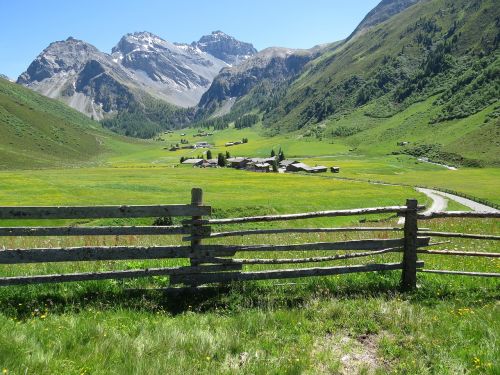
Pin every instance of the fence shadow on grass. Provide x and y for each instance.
(20, 303)
(230, 298)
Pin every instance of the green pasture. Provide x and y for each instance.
(448, 326)
(344, 324)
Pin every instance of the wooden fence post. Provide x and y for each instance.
(409, 274)
(196, 200)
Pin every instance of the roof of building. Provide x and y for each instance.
(303, 166)
(237, 159)
(287, 162)
(192, 161)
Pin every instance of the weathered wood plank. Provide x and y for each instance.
(369, 244)
(302, 230)
(460, 235)
(460, 253)
(308, 215)
(470, 214)
(196, 200)
(300, 260)
(462, 273)
(409, 274)
(99, 231)
(94, 212)
(92, 253)
(205, 278)
(117, 275)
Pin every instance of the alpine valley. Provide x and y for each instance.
(151, 194)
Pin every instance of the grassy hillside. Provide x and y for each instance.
(38, 132)
(430, 74)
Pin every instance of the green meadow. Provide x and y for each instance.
(344, 324)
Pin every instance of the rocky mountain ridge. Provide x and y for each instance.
(141, 64)
(270, 66)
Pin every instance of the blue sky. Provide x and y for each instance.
(27, 27)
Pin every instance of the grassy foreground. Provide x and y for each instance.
(348, 324)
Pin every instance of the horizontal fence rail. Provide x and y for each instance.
(126, 274)
(101, 231)
(460, 253)
(217, 263)
(289, 273)
(303, 260)
(459, 235)
(301, 230)
(371, 244)
(308, 215)
(97, 212)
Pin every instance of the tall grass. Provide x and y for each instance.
(342, 324)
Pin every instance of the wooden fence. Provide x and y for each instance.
(211, 263)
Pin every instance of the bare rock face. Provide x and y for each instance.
(97, 83)
(273, 65)
(225, 47)
(80, 75)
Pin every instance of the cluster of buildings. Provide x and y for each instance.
(193, 146)
(261, 165)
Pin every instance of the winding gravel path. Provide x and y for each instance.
(440, 202)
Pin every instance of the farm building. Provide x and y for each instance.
(202, 145)
(238, 163)
(263, 160)
(298, 167)
(210, 163)
(301, 167)
(285, 163)
(193, 162)
(259, 167)
(335, 169)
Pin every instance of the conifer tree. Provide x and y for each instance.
(221, 160)
(274, 165)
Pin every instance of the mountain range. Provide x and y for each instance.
(140, 65)
(440, 52)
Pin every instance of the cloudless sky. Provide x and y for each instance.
(29, 26)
